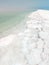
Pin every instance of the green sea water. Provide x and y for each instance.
(11, 19)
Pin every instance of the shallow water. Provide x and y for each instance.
(10, 20)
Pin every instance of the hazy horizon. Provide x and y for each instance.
(20, 5)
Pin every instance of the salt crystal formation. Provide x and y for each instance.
(30, 47)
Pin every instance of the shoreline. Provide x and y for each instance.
(8, 36)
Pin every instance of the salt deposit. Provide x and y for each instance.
(6, 40)
(31, 46)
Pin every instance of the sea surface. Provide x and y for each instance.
(9, 20)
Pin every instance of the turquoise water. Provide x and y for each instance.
(8, 20)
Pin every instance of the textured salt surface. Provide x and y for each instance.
(6, 40)
(31, 46)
